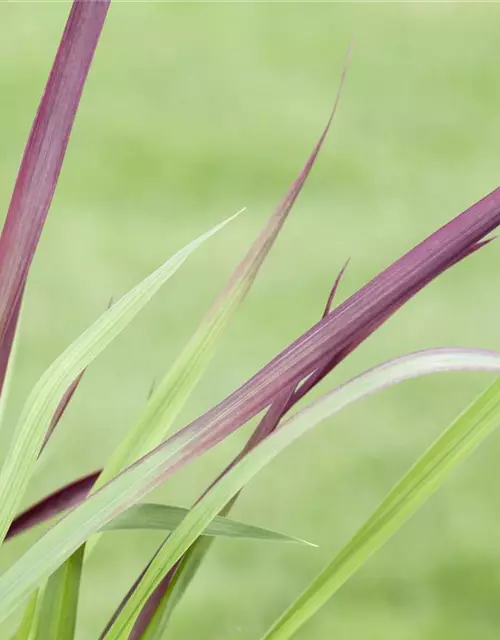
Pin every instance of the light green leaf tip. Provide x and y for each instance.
(419, 484)
(28, 627)
(17, 583)
(167, 517)
(44, 399)
(170, 396)
(366, 384)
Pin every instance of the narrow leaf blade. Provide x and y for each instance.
(148, 516)
(45, 398)
(167, 517)
(155, 616)
(29, 624)
(59, 604)
(220, 494)
(464, 435)
(42, 161)
(245, 272)
(170, 396)
(129, 487)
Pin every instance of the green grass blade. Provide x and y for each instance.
(219, 495)
(169, 398)
(177, 586)
(59, 604)
(167, 517)
(188, 369)
(59, 542)
(28, 628)
(155, 616)
(420, 483)
(43, 401)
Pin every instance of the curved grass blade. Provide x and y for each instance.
(155, 615)
(57, 544)
(146, 516)
(462, 437)
(170, 396)
(45, 398)
(29, 624)
(152, 622)
(338, 333)
(220, 494)
(162, 517)
(168, 399)
(332, 338)
(44, 600)
(189, 565)
(42, 161)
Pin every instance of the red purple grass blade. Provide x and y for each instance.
(333, 292)
(276, 412)
(331, 363)
(329, 338)
(61, 409)
(42, 161)
(266, 426)
(52, 505)
(261, 247)
(368, 308)
(337, 334)
(73, 493)
(356, 318)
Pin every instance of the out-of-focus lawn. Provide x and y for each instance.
(192, 111)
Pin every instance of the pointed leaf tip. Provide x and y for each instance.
(42, 161)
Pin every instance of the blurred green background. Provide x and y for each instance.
(192, 111)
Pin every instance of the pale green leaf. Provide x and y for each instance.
(179, 583)
(59, 603)
(167, 517)
(376, 379)
(18, 582)
(29, 624)
(216, 320)
(44, 399)
(169, 398)
(419, 484)
(184, 574)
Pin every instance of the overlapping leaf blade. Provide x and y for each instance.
(246, 272)
(59, 601)
(170, 396)
(37, 180)
(466, 433)
(172, 593)
(45, 398)
(161, 517)
(152, 622)
(29, 624)
(68, 534)
(337, 334)
(364, 385)
(167, 517)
